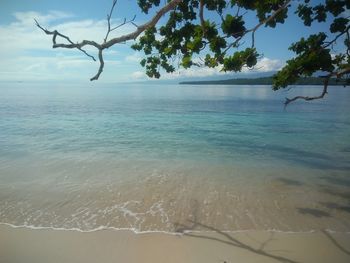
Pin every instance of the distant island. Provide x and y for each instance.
(262, 81)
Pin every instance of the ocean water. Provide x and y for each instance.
(173, 158)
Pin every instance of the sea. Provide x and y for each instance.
(173, 158)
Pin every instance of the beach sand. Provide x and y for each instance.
(27, 245)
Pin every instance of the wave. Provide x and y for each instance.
(136, 231)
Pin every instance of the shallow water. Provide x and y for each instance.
(169, 158)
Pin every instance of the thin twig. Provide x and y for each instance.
(325, 87)
(109, 20)
(253, 30)
(201, 16)
(125, 22)
(170, 6)
(109, 16)
(336, 38)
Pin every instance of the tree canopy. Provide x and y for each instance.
(188, 38)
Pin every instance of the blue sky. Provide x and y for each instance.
(26, 52)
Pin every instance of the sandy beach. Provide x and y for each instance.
(46, 245)
(207, 164)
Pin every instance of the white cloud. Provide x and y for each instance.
(136, 57)
(266, 65)
(263, 65)
(195, 72)
(26, 52)
(26, 18)
(138, 75)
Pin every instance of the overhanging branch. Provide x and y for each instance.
(338, 74)
(107, 44)
(171, 5)
(201, 15)
(55, 33)
(102, 64)
(255, 28)
(272, 16)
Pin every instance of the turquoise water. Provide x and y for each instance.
(67, 139)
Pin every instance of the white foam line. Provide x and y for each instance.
(90, 230)
(165, 232)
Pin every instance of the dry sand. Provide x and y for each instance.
(26, 245)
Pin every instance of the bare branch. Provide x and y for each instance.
(348, 41)
(307, 98)
(55, 33)
(109, 19)
(171, 5)
(100, 69)
(78, 45)
(201, 15)
(325, 87)
(238, 9)
(109, 16)
(125, 22)
(106, 44)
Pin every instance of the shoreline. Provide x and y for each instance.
(46, 245)
(137, 232)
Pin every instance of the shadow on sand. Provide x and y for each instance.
(228, 239)
(335, 206)
(336, 243)
(336, 180)
(313, 212)
(290, 182)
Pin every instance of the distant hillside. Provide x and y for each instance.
(261, 81)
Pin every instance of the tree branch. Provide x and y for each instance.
(171, 5)
(106, 44)
(55, 33)
(109, 20)
(109, 16)
(325, 87)
(254, 29)
(274, 14)
(337, 36)
(201, 15)
(100, 69)
(124, 23)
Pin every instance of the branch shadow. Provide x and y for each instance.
(335, 242)
(313, 212)
(331, 205)
(227, 239)
(336, 180)
(290, 182)
(342, 194)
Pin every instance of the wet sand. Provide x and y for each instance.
(223, 196)
(38, 246)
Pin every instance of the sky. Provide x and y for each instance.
(26, 53)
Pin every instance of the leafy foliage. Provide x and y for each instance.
(314, 54)
(187, 36)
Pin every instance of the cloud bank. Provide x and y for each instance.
(26, 52)
(264, 65)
